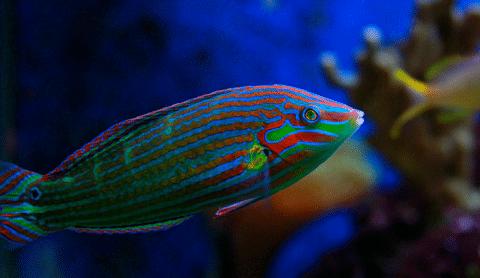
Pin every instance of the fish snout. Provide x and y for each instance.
(358, 117)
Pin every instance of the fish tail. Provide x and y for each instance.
(406, 116)
(412, 83)
(17, 222)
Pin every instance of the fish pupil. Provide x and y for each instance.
(311, 115)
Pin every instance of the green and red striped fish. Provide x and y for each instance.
(222, 150)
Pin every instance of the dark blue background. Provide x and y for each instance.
(88, 64)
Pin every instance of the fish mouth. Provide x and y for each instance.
(359, 119)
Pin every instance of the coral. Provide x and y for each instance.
(449, 251)
(439, 161)
(435, 158)
(384, 246)
(388, 223)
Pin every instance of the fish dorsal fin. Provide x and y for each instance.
(455, 69)
(412, 83)
(233, 207)
(162, 226)
(443, 66)
(120, 129)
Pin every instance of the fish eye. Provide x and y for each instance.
(310, 115)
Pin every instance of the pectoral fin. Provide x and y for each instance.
(225, 210)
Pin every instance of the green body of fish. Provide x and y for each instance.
(223, 150)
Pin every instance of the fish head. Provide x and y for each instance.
(308, 128)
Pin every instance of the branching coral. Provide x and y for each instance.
(435, 158)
